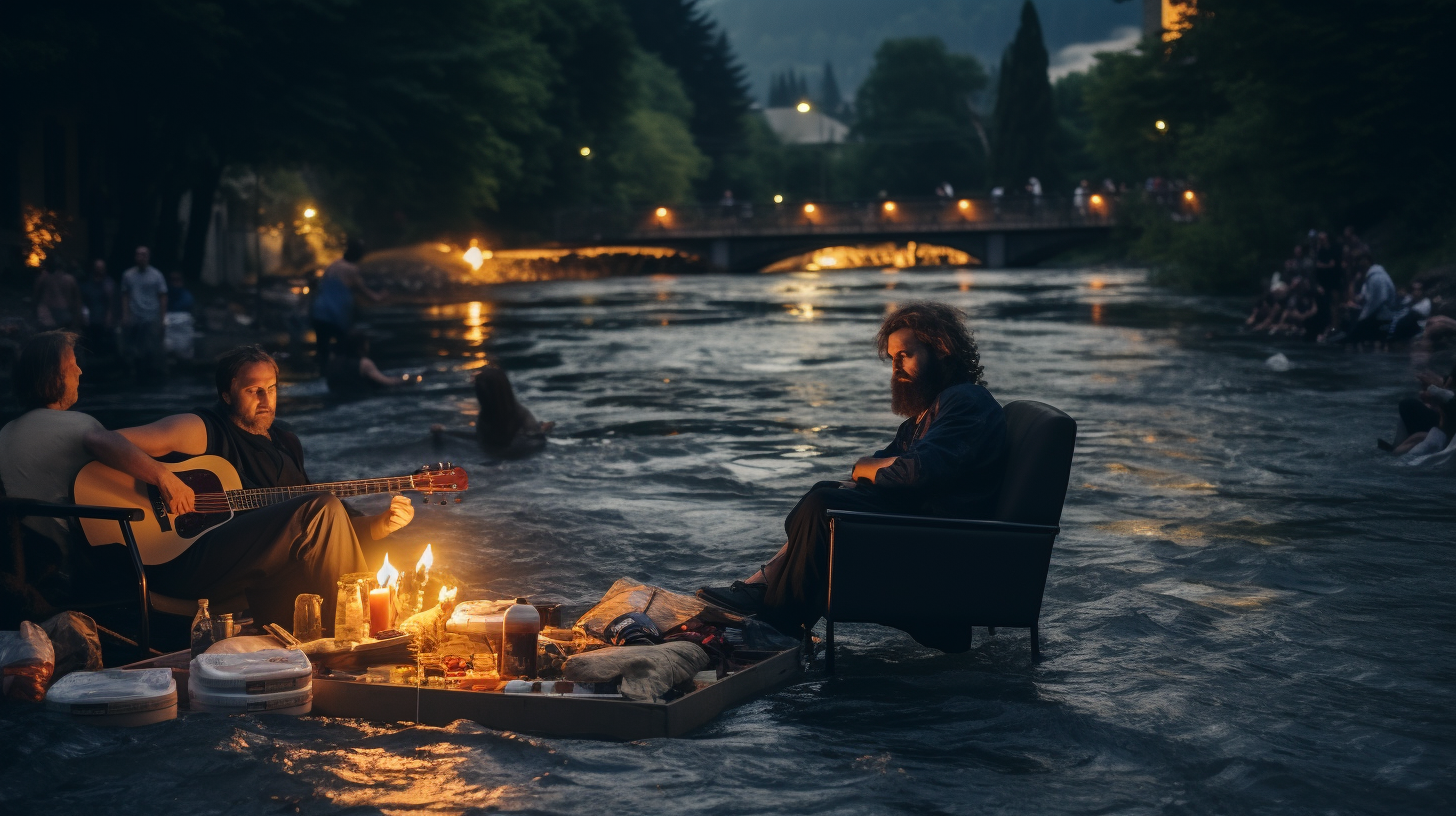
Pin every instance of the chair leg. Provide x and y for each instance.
(144, 634)
(829, 646)
(1035, 642)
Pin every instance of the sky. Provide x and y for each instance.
(770, 36)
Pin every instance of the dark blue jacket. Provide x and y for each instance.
(952, 461)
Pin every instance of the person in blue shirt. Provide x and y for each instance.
(947, 459)
(332, 312)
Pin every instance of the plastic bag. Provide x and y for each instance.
(76, 644)
(668, 610)
(27, 661)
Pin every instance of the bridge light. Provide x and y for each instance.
(778, 199)
(889, 206)
(586, 151)
(802, 107)
(808, 209)
(1160, 125)
(964, 204)
(1187, 195)
(661, 212)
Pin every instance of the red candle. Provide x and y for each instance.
(381, 607)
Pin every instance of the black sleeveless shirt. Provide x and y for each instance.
(261, 461)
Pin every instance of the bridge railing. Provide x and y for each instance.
(831, 217)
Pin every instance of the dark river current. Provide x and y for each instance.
(1249, 608)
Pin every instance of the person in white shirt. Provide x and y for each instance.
(143, 310)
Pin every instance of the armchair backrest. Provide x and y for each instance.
(1039, 462)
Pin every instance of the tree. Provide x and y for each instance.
(652, 157)
(787, 89)
(831, 101)
(689, 42)
(1283, 117)
(1025, 120)
(914, 118)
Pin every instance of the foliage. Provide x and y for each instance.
(687, 40)
(787, 89)
(652, 157)
(915, 120)
(831, 101)
(1023, 142)
(1286, 116)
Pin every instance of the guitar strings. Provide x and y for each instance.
(214, 502)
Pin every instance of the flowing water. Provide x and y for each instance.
(1248, 609)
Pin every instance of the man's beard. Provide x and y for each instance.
(258, 423)
(910, 398)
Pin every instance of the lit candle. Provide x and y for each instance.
(422, 577)
(447, 600)
(381, 600)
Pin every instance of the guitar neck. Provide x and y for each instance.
(262, 497)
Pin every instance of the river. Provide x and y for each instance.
(1248, 609)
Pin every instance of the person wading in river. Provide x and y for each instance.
(274, 553)
(946, 460)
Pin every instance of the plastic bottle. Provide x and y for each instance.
(519, 629)
(201, 629)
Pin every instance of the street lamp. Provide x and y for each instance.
(661, 212)
(1187, 195)
(889, 206)
(586, 151)
(309, 212)
(1160, 125)
(802, 107)
(778, 199)
(808, 209)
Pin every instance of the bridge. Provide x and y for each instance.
(735, 238)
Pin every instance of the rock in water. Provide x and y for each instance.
(1278, 362)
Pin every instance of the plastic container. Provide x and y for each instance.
(270, 671)
(295, 701)
(115, 697)
(520, 626)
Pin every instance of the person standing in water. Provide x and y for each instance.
(332, 312)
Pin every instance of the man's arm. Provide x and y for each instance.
(113, 450)
(355, 281)
(179, 433)
(966, 435)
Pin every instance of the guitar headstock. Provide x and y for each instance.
(441, 477)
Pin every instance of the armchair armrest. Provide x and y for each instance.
(27, 507)
(968, 525)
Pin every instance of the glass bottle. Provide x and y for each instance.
(349, 621)
(201, 629)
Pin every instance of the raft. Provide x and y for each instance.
(561, 716)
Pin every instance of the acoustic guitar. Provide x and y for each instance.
(220, 496)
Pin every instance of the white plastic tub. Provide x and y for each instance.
(118, 697)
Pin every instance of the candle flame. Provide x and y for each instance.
(426, 561)
(387, 575)
(447, 595)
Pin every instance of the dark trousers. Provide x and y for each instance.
(1417, 416)
(800, 591)
(325, 334)
(144, 349)
(1368, 330)
(272, 555)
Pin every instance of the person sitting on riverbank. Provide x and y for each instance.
(505, 427)
(1437, 446)
(1376, 303)
(1421, 413)
(947, 459)
(354, 374)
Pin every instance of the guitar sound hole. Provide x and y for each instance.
(191, 525)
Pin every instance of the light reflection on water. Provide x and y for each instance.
(1248, 609)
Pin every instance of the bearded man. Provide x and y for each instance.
(946, 460)
(274, 553)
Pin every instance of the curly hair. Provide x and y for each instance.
(943, 329)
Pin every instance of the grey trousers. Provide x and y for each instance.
(272, 555)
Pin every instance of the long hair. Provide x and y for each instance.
(229, 364)
(500, 415)
(37, 376)
(943, 329)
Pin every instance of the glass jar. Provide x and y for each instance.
(350, 623)
(308, 620)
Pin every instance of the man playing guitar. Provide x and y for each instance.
(273, 553)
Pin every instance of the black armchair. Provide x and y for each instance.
(936, 578)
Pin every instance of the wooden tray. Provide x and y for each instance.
(544, 715)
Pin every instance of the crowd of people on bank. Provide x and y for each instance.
(143, 316)
(1332, 291)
